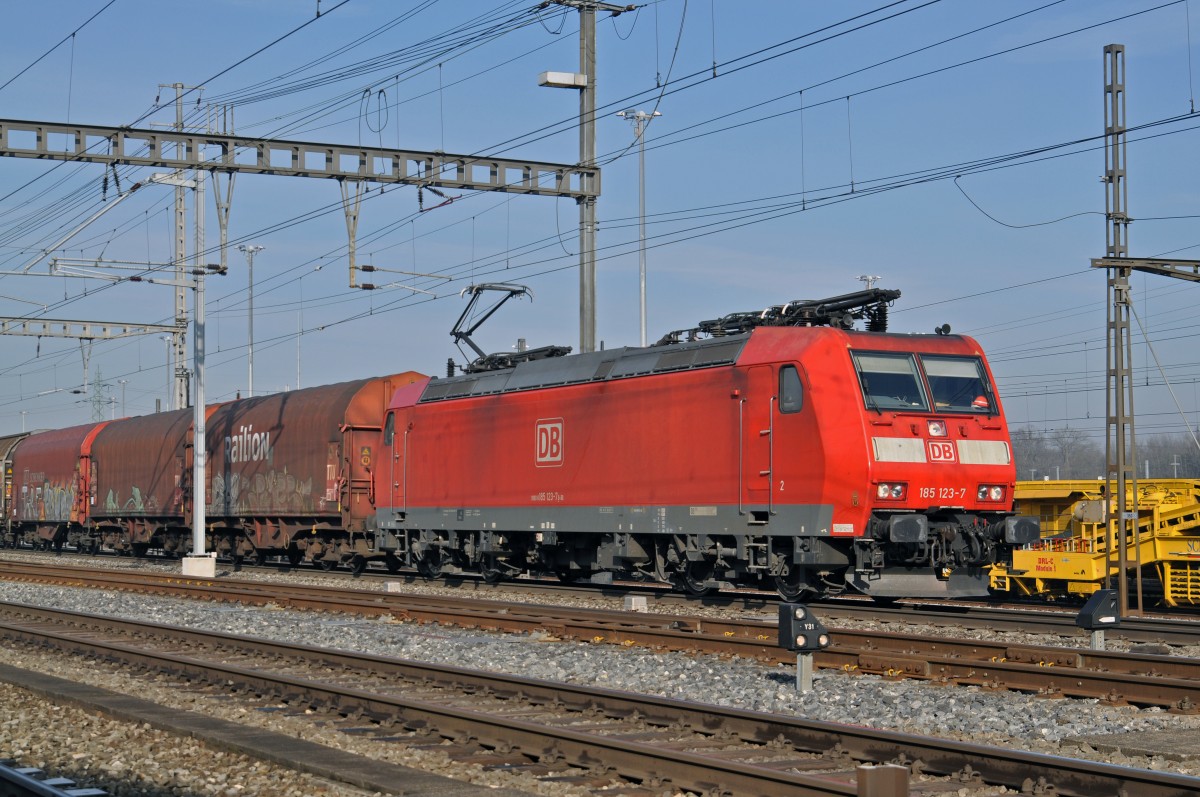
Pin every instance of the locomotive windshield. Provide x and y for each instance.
(890, 381)
(958, 384)
(893, 381)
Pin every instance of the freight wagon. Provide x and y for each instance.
(288, 474)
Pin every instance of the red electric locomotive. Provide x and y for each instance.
(780, 447)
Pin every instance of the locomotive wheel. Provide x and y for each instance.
(391, 562)
(694, 577)
(792, 586)
(429, 566)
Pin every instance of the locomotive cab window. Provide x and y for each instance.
(791, 392)
(389, 429)
(959, 384)
(890, 381)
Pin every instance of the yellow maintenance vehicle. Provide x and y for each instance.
(1078, 553)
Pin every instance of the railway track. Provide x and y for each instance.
(1170, 682)
(19, 781)
(589, 735)
(1025, 618)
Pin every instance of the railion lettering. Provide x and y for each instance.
(249, 446)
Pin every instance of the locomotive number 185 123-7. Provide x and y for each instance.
(943, 493)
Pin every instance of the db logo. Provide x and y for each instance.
(941, 451)
(549, 443)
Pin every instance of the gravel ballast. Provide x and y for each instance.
(1004, 719)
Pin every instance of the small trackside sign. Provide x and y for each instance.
(941, 451)
(548, 443)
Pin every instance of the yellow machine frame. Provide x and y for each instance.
(1077, 553)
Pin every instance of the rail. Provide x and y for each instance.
(19, 781)
(692, 746)
(1171, 682)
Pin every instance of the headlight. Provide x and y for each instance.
(937, 428)
(891, 492)
(991, 492)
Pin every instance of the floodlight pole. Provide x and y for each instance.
(640, 119)
(251, 250)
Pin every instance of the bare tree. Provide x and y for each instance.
(1065, 453)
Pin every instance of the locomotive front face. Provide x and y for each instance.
(941, 432)
(941, 472)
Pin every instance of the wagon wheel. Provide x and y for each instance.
(140, 549)
(694, 577)
(260, 557)
(491, 571)
(357, 565)
(294, 555)
(429, 564)
(568, 576)
(391, 562)
(326, 564)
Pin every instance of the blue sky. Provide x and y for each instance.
(749, 198)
